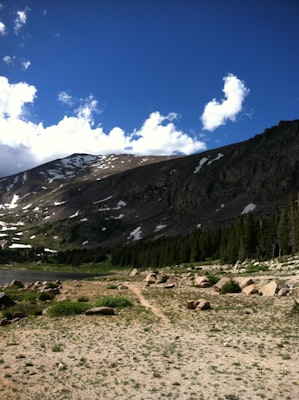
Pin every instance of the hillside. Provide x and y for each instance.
(89, 201)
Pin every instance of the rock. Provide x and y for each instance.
(122, 287)
(101, 311)
(192, 304)
(134, 272)
(243, 282)
(270, 289)
(218, 286)
(283, 291)
(53, 291)
(16, 282)
(250, 289)
(203, 304)
(168, 285)
(4, 322)
(201, 282)
(151, 278)
(6, 301)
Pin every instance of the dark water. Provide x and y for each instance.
(7, 275)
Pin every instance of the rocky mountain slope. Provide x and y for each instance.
(88, 201)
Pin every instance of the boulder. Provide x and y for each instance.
(250, 289)
(283, 291)
(201, 282)
(17, 283)
(100, 311)
(221, 283)
(192, 304)
(4, 322)
(203, 304)
(122, 287)
(243, 282)
(6, 301)
(270, 289)
(168, 285)
(151, 278)
(134, 272)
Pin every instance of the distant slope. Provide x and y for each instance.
(87, 201)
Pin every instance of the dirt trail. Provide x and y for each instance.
(155, 310)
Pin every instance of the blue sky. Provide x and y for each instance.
(142, 76)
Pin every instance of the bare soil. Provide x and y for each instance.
(245, 347)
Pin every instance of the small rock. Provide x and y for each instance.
(192, 304)
(168, 286)
(122, 287)
(4, 322)
(203, 304)
(243, 282)
(100, 310)
(134, 272)
(283, 291)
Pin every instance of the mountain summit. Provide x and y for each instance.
(88, 201)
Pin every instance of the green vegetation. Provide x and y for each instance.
(65, 308)
(45, 296)
(213, 278)
(295, 308)
(230, 287)
(114, 301)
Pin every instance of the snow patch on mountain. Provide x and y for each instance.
(248, 208)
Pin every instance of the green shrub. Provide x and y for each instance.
(112, 286)
(114, 301)
(83, 299)
(230, 287)
(213, 278)
(250, 268)
(65, 308)
(44, 296)
(29, 296)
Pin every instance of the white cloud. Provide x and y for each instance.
(217, 113)
(32, 144)
(65, 98)
(9, 59)
(26, 64)
(13, 97)
(2, 29)
(20, 20)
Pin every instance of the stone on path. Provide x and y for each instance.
(100, 311)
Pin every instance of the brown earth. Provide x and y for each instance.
(245, 347)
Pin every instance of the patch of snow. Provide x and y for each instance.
(121, 203)
(32, 237)
(58, 203)
(19, 233)
(20, 246)
(85, 242)
(201, 163)
(26, 207)
(83, 219)
(135, 234)
(36, 209)
(103, 229)
(248, 208)
(160, 227)
(13, 203)
(198, 226)
(3, 234)
(50, 251)
(101, 201)
(220, 155)
(25, 178)
(75, 215)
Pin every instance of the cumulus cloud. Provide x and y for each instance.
(35, 144)
(217, 113)
(20, 20)
(2, 29)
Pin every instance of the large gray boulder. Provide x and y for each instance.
(6, 301)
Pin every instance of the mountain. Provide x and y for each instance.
(88, 201)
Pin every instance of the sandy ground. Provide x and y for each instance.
(246, 347)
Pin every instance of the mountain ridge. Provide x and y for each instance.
(89, 201)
